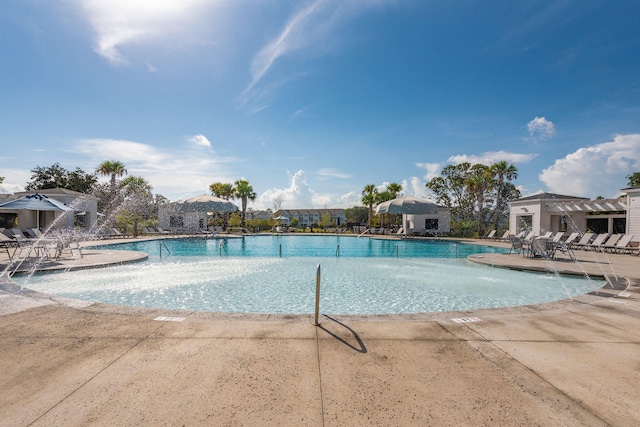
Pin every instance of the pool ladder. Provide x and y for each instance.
(454, 246)
(163, 245)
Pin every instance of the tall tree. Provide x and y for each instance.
(244, 191)
(369, 197)
(56, 176)
(138, 199)
(222, 190)
(391, 192)
(450, 190)
(114, 169)
(633, 180)
(501, 171)
(478, 185)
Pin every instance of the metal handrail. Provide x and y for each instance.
(395, 249)
(452, 247)
(165, 246)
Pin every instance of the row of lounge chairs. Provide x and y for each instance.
(110, 233)
(31, 243)
(547, 244)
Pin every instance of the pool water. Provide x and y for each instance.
(361, 276)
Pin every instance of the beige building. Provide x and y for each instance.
(83, 213)
(555, 212)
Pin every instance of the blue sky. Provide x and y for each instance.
(312, 100)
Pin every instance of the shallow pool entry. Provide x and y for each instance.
(205, 275)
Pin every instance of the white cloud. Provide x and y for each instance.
(599, 170)
(121, 23)
(299, 195)
(15, 180)
(414, 187)
(172, 173)
(540, 128)
(200, 140)
(431, 169)
(492, 157)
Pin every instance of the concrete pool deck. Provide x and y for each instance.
(66, 362)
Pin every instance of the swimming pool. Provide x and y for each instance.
(276, 274)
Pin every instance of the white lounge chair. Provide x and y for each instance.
(611, 242)
(622, 245)
(584, 240)
(598, 241)
(491, 234)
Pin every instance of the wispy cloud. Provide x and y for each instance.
(313, 30)
(122, 23)
(492, 157)
(327, 173)
(598, 170)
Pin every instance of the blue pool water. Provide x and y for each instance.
(277, 274)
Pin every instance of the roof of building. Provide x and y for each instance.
(551, 196)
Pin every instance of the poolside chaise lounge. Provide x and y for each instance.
(572, 238)
(597, 242)
(505, 237)
(623, 245)
(610, 243)
(586, 238)
(491, 234)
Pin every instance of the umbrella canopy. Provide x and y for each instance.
(36, 202)
(207, 203)
(407, 205)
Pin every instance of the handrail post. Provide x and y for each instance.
(315, 319)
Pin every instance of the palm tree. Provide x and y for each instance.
(394, 190)
(369, 198)
(222, 190)
(391, 192)
(501, 171)
(244, 191)
(478, 184)
(114, 169)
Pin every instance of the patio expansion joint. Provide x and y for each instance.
(493, 343)
(107, 366)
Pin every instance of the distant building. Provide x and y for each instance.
(307, 217)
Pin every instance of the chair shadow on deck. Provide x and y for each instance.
(360, 348)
